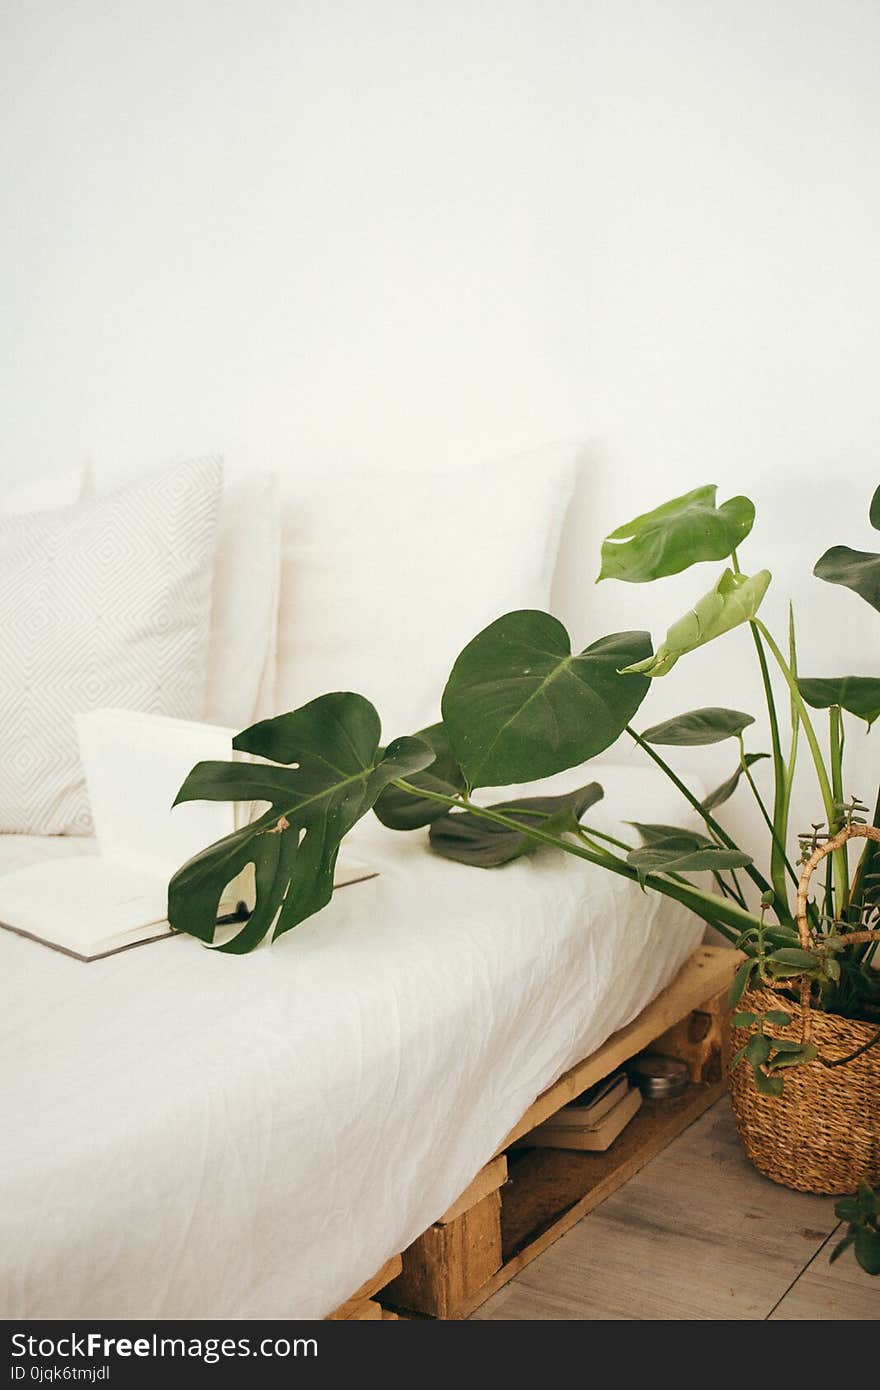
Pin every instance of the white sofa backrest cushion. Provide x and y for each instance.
(106, 603)
(385, 577)
(244, 602)
(244, 605)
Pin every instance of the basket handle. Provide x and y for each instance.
(849, 832)
(856, 938)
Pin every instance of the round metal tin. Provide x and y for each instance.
(659, 1077)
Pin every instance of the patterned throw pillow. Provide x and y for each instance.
(107, 603)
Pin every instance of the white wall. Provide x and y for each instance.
(314, 234)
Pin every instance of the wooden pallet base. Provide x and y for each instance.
(363, 1306)
(481, 1243)
(445, 1266)
(526, 1198)
(551, 1189)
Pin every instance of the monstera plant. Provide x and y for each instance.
(520, 704)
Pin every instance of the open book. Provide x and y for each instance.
(90, 906)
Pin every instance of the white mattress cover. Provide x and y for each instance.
(185, 1134)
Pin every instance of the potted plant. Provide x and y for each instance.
(520, 705)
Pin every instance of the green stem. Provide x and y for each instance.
(835, 743)
(841, 874)
(529, 813)
(836, 740)
(777, 844)
(727, 917)
(586, 838)
(732, 889)
(609, 839)
(865, 867)
(779, 826)
(740, 895)
(754, 873)
(783, 821)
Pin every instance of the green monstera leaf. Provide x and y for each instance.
(699, 727)
(402, 810)
(334, 771)
(520, 705)
(859, 695)
(858, 570)
(676, 535)
(735, 599)
(471, 840)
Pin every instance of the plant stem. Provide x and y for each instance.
(764, 812)
(609, 839)
(586, 838)
(865, 865)
(795, 732)
(725, 916)
(835, 743)
(731, 890)
(779, 825)
(527, 812)
(754, 873)
(746, 771)
(738, 886)
(841, 872)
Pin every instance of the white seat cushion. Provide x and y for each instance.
(194, 1135)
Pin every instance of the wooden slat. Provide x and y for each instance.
(489, 1179)
(370, 1311)
(449, 1264)
(390, 1270)
(698, 1039)
(708, 970)
(655, 1126)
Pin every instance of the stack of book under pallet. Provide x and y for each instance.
(592, 1121)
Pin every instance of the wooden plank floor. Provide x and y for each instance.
(697, 1234)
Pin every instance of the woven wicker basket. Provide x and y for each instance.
(823, 1133)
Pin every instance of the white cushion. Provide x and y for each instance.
(244, 604)
(105, 603)
(385, 578)
(59, 489)
(244, 607)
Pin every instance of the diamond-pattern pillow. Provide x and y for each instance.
(104, 604)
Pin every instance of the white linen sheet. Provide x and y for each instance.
(185, 1134)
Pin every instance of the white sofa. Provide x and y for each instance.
(186, 1134)
(194, 1135)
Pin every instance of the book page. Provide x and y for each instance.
(86, 905)
(135, 765)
